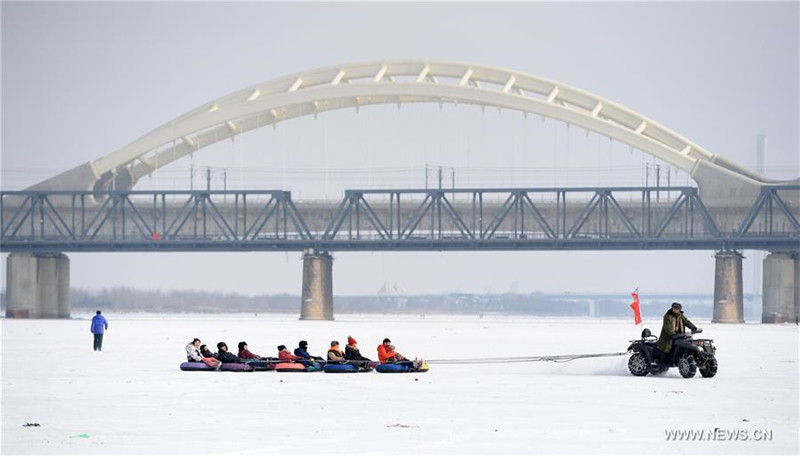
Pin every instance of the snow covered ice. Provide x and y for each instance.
(132, 398)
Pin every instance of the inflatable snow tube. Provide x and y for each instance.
(290, 367)
(236, 367)
(190, 366)
(261, 365)
(393, 368)
(340, 368)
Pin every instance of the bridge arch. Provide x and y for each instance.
(360, 84)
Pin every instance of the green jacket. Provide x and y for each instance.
(673, 324)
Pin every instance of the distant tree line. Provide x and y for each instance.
(127, 299)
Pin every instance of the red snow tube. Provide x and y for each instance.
(290, 367)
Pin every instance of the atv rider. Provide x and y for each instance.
(675, 323)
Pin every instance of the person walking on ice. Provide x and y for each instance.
(99, 326)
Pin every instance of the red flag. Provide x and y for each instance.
(637, 313)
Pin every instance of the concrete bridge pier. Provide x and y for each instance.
(781, 288)
(37, 285)
(728, 288)
(317, 298)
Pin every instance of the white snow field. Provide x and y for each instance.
(131, 398)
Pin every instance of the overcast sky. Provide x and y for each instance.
(80, 80)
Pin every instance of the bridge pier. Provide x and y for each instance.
(728, 289)
(317, 298)
(781, 288)
(37, 285)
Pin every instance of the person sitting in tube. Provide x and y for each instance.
(302, 351)
(206, 352)
(225, 356)
(335, 354)
(353, 354)
(244, 353)
(387, 353)
(193, 355)
(286, 357)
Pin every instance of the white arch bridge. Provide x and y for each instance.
(360, 84)
(87, 208)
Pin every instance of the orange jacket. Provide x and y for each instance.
(384, 354)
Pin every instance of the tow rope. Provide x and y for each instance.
(523, 359)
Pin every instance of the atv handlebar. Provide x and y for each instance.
(687, 335)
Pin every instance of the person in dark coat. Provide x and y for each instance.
(302, 351)
(286, 357)
(674, 323)
(225, 356)
(99, 326)
(205, 351)
(353, 354)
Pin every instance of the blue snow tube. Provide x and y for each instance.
(236, 367)
(340, 368)
(261, 365)
(389, 368)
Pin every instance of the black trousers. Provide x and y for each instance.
(98, 342)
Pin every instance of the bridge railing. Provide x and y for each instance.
(396, 219)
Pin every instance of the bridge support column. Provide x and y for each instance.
(780, 288)
(728, 289)
(317, 299)
(37, 285)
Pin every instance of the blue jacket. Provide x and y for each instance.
(304, 354)
(99, 324)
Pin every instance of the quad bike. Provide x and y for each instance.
(688, 355)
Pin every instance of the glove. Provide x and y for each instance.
(697, 330)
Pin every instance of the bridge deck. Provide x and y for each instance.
(629, 218)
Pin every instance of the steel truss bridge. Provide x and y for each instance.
(471, 219)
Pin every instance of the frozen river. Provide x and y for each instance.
(132, 399)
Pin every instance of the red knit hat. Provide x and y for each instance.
(350, 341)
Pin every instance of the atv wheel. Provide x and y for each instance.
(687, 366)
(638, 364)
(709, 369)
